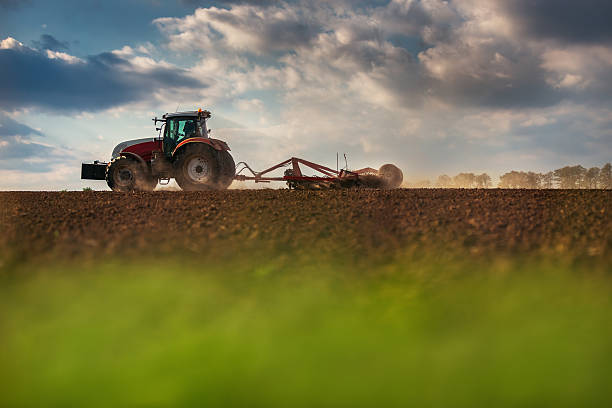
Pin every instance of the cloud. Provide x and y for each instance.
(59, 82)
(19, 151)
(490, 72)
(472, 52)
(490, 58)
(48, 42)
(199, 3)
(57, 176)
(430, 20)
(10, 43)
(16, 150)
(567, 21)
(247, 27)
(10, 127)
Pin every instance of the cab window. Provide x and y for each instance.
(177, 130)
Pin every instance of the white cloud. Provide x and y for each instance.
(10, 43)
(63, 56)
(250, 105)
(243, 27)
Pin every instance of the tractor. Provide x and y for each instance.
(183, 150)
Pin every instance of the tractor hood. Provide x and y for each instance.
(121, 146)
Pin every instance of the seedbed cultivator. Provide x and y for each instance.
(185, 152)
(388, 176)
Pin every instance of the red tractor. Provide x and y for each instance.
(183, 151)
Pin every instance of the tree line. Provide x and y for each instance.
(565, 177)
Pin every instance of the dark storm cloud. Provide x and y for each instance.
(48, 42)
(527, 88)
(29, 78)
(584, 21)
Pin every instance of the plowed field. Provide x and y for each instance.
(48, 224)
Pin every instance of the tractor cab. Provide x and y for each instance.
(180, 126)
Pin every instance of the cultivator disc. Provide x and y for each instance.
(391, 175)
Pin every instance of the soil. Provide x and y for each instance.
(54, 225)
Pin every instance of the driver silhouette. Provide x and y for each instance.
(189, 129)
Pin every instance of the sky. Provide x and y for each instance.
(436, 87)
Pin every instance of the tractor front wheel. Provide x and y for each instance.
(197, 168)
(126, 174)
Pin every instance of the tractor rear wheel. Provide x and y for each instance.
(227, 169)
(196, 167)
(391, 175)
(126, 174)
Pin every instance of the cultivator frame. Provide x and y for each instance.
(329, 178)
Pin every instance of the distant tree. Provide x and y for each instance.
(547, 180)
(483, 181)
(444, 181)
(530, 180)
(591, 177)
(570, 176)
(509, 180)
(605, 176)
(520, 179)
(464, 180)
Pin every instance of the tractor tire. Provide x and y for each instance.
(391, 175)
(227, 169)
(197, 167)
(126, 174)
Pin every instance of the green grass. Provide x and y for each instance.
(274, 332)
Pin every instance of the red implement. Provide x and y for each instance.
(327, 178)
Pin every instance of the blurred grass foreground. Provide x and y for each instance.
(275, 331)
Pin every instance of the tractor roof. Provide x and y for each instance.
(175, 114)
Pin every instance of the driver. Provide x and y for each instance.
(189, 129)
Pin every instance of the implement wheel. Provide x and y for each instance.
(126, 174)
(197, 167)
(391, 175)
